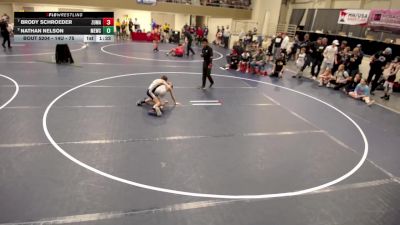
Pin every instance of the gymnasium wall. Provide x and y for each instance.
(160, 7)
(212, 26)
(341, 4)
(7, 8)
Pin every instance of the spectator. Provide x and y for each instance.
(205, 31)
(341, 55)
(218, 37)
(279, 66)
(232, 60)
(130, 25)
(361, 52)
(199, 35)
(340, 79)
(392, 70)
(342, 46)
(5, 33)
(295, 47)
(123, 29)
(6, 17)
(325, 77)
(153, 24)
(118, 28)
(362, 92)
(242, 34)
(377, 65)
(238, 47)
(306, 43)
(300, 62)
(226, 36)
(258, 62)
(248, 38)
(276, 46)
(317, 56)
(136, 25)
(285, 44)
(329, 56)
(351, 86)
(354, 62)
(244, 61)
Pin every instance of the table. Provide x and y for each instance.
(141, 36)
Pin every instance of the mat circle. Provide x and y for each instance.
(220, 56)
(15, 92)
(205, 195)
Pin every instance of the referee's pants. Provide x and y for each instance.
(206, 74)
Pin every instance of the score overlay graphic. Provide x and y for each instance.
(64, 26)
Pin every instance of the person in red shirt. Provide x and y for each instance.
(156, 38)
(178, 51)
(200, 35)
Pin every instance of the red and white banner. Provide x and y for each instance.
(353, 16)
(385, 18)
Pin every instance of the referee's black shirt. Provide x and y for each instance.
(207, 54)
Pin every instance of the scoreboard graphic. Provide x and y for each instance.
(64, 26)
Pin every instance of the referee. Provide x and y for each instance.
(207, 54)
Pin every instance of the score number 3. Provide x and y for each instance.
(108, 21)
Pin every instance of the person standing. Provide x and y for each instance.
(207, 54)
(227, 35)
(205, 31)
(5, 33)
(200, 35)
(295, 46)
(118, 28)
(390, 77)
(285, 44)
(189, 40)
(276, 46)
(130, 25)
(317, 57)
(378, 64)
(156, 39)
(354, 62)
(329, 56)
(306, 43)
(136, 25)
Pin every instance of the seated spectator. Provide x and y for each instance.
(244, 61)
(232, 60)
(362, 92)
(178, 51)
(238, 47)
(351, 86)
(279, 66)
(341, 78)
(325, 77)
(258, 62)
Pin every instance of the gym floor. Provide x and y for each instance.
(75, 148)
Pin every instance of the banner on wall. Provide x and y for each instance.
(353, 16)
(385, 18)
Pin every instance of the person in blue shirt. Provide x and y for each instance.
(362, 92)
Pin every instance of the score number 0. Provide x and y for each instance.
(108, 25)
